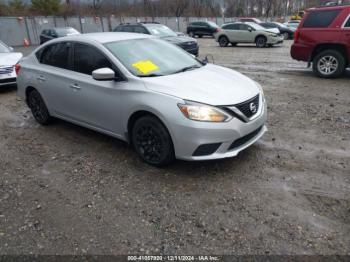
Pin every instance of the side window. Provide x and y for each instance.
(56, 55)
(320, 19)
(88, 58)
(347, 23)
(128, 28)
(231, 27)
(118, 29)
(140, 30)
(243, 27)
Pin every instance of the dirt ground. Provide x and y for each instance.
(68, 190)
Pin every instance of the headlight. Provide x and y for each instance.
(203, 113)
(261, 90)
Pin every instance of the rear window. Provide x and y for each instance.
(347, 23)
(321, 19)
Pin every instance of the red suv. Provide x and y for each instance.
(323, 39)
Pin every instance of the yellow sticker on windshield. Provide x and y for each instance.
(145, 66)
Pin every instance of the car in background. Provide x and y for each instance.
(146, 91)
(292, 24)
(323, 40)
(250, 20)
(187, 43)
(201, 29)
(8, 61)
(49, 34)
(238, 32)
(287, 32)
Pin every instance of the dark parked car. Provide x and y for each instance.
(49, 34)
(323, 39)
(287, 32)
(187, 43)
(202, 28)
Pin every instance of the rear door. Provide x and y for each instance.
(231, 31)
(346, 35)
(51, 80)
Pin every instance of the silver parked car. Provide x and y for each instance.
(236, 33)
(8, 61)
(146, 91)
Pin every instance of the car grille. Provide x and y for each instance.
(246, 107)
(243, 140)
(6, 70)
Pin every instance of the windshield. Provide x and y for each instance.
(152, 57)
(161, 31)
(66, 31)
(213, 24)
(256, 26)
(4, 48)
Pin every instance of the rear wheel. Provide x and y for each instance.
(38, 108)
(329, 64)
(223, 41)
(152, 142)
(261, 41)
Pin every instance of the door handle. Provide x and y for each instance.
(75, 86)
(41, 78)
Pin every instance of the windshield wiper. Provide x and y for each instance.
(187, 68)
(150, 75)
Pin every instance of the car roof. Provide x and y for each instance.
(335, 7)
(106, 37)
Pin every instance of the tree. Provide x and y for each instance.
(16, 7)
(46, 7)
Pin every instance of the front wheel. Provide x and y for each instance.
(286, 36)
(38, 108)
(329, 64)
(152, 142)
(223, 41)
(261, 41)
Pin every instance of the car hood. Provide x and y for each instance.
(210, 84)
(179, 39)
(9, 59)
(273, 30)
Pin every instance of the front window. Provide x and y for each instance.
(152, 57)
(161, 31)
(4, 48)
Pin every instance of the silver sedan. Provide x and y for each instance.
(145, 91)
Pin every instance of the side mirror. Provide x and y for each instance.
(103, 74)
(250, 30)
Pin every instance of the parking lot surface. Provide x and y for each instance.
(68, 190)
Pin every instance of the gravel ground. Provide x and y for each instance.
(68, 190)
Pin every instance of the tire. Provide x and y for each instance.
(152, 142)
(200, 36)
(329, 64)
(286, 35)
(260, 41)
(223, 41)
(38, 108)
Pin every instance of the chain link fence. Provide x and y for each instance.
(15, 30)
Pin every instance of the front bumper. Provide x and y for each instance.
(191, 135)
(275, 40)
(8, 79)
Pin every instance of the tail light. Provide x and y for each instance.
(17, 68)
(217, 30)
(296, 35)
